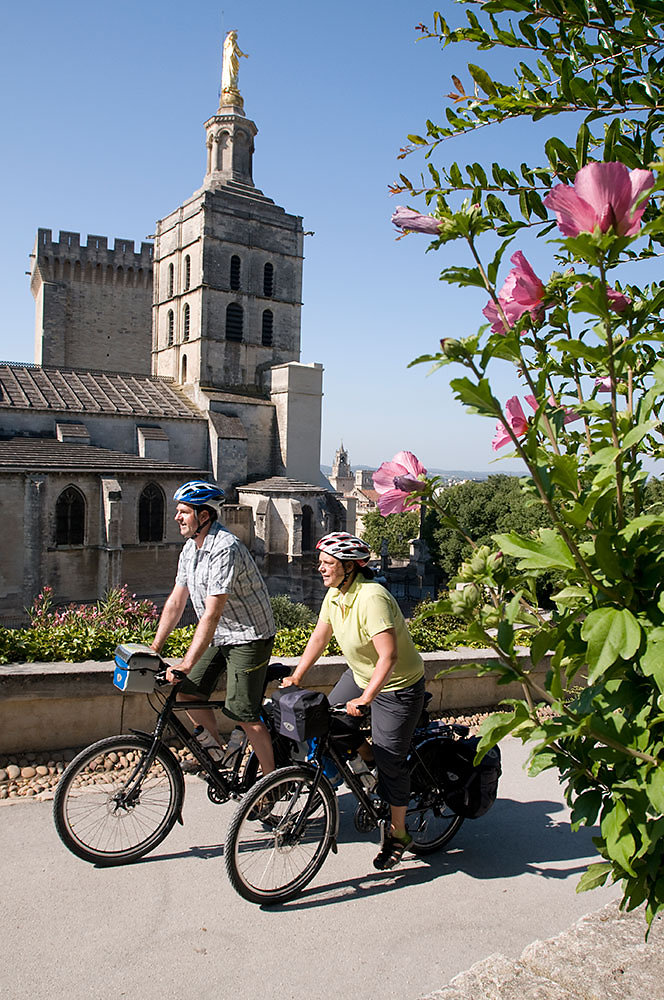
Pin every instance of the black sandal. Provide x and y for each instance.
(391, 852)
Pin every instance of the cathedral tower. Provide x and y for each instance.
(228, 265)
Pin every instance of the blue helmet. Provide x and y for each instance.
(198, 493)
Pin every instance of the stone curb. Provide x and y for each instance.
(603, 956)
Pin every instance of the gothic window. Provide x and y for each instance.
(268, 281)
(171, 280)
(70, 517)
(187, 273)
(185, 324)
(234, 319)
(307, 529)
(235, 273)
(183, 369)
(151, 514)
(268, 325)
(171, 323)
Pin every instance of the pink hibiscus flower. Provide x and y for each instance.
(603, 195)
(522, 292)
(410, 221)
(516, 419)
(617, 300)
(395, 480)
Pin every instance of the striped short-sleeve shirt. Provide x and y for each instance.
(223, 565)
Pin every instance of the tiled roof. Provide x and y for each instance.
(47, 454)
(281, 484)
(30, 387)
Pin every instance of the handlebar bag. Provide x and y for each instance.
(135, 668)
(300, 714)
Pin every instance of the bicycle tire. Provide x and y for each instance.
(263, 863)
(429, 820)
(89, 820)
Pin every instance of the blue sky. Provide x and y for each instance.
(103, 108)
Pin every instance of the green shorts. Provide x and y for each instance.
(245, 665)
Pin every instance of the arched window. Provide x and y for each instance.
(234, 319)
(151, 514)
(307, 529)
(267, 328)
(171, 327)
(268, 281)
(70, 517)
(185, 322)
(171, 280)
(187, 272)
(183, 369)
(235, 273)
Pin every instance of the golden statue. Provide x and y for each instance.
(230, 71)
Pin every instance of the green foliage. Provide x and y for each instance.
(291, 642)
(598, 67)
(481, 509)
(430, 631)
(289, 614)
(398, 529)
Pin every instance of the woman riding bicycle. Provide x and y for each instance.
(385, 671)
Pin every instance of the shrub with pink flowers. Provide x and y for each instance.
(80, 632)
(584, 339)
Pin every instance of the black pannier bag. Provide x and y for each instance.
(470, 790)
(300, 714)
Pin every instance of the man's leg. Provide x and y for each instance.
(199, 685)
(245, 683)
(260, 741)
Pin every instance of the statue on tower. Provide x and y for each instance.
(230, 72)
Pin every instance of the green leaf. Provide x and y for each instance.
(549, 551)
(610, 633)
(620, 842)
(483, 80)
(594, 876)
(655, 789)
(652, 661)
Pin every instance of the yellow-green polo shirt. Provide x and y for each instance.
(366, 609)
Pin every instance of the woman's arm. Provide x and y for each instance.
(385, 644)
(318, 640)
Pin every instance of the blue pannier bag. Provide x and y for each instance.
(135, 668)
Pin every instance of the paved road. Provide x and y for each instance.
(171, 926)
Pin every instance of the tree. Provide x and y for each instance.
(481, 508)
(398, 529)
(587, 351)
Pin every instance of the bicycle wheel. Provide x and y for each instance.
(109, 813)
(429, 820)
(273, 848)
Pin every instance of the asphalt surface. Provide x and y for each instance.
(171, 925)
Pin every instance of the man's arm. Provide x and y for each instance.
(205, 630)
(170, 616)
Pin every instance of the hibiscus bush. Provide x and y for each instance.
(584, 339)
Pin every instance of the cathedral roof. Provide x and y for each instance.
(36, 455)
(281, 484)
(31, 387)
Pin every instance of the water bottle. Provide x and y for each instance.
(330, 769)
(360, 767)
(208, 741)
(235, 744)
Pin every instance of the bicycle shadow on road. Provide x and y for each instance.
(514, 838)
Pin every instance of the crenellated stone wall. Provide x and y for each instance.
(93, 304)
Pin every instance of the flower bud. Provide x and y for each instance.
(465, 600)
(453, 349)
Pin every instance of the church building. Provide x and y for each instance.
(177, 361)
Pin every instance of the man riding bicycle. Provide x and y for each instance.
(235, 628)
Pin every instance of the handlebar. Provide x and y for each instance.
(160, 677)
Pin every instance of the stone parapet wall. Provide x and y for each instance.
(54, 706)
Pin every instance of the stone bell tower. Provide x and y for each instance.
(227, 265)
